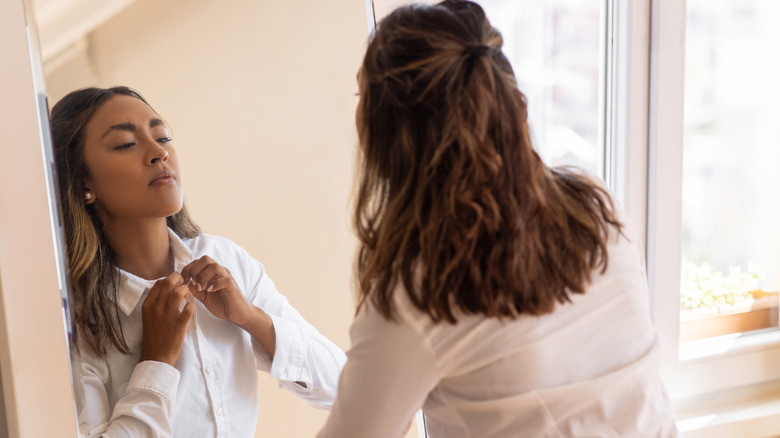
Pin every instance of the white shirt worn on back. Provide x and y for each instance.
(588, 369)
(212, 391)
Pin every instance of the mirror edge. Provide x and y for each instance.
(29, 245)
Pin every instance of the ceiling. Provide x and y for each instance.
(62, 23)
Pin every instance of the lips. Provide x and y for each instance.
(163, 178)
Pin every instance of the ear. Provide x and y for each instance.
(89, 195)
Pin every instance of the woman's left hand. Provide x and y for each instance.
(213, 285)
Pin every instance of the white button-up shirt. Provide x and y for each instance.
(212, 390)
(588, 369)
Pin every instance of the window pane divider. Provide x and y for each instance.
(664, 189)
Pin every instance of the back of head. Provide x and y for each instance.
(453, 201)
(433, 77)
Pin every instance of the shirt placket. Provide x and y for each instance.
(212, 377)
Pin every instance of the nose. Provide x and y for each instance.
(157, 153)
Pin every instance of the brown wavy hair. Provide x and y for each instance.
(452, 200)
(94, 279)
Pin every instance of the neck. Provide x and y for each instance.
(142, 246)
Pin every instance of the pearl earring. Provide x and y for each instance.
(88, 196)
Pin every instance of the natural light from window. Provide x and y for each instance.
(730, 271)
(554, 48)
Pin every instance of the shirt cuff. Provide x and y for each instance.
(157, 377)
(289, 361)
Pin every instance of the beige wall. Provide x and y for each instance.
(261, 98)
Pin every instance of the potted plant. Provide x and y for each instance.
(713, 303)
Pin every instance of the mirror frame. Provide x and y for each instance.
(34, 356)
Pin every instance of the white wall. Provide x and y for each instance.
(261, 98)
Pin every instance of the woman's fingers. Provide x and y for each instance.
(186, 313)
(165, 320)
(214, 286)
(194, 268)
(203, 273)
(171, 281)
(177, 295)
(221, 283)
(166, 297)
(161, 288)
(209, 275)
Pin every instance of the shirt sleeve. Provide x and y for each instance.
(389, 372)
(144, 410)
(305, 362)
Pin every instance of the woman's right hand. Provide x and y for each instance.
(164, 325)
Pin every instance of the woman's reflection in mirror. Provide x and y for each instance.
(504, 297)
(171, 324)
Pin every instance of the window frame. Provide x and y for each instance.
(707, 371)
(664, 164)
(626, 116)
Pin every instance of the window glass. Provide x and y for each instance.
(731, 156)
(554, 48)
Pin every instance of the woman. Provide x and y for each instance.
(154, 360)
(503, 297)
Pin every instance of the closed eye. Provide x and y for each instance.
(164, 140)
(124, 146)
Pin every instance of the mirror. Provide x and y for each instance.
(261, 98)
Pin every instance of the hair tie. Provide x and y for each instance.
(472, 54)
(476, 51)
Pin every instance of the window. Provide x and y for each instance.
(731, 189)
(555, 50)
(695, 181)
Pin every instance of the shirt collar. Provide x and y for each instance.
(132, 287)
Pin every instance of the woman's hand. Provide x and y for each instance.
(164, 325)
(213, 285)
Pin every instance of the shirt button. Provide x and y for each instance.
(208, 370)
(219, 411)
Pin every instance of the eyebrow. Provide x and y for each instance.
(131, 126)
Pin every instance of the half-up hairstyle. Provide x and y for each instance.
(452, 200)
(91, 260)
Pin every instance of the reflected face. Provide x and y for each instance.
(133, 168)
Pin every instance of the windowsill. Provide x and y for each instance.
(729, 344)
(742, 412)
(747, 400)
(728, 386)
(725, 373)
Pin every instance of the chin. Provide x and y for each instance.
(170, 210)
(174, 211)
